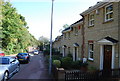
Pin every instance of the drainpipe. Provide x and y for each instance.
(119, 31)
(83, 39)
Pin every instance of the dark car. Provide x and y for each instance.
(23, 57)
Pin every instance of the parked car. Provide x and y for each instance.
(36, 52)
(8, 66)
(2, 53)
(23, 57)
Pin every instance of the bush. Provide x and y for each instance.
(56, 57)
(84, 64)
(57, 63)
(66, 62)
(76, 64)
(69, 55)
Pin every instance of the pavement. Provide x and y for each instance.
(36, 70)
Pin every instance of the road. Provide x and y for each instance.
(35, 70)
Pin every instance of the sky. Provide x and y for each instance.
(38, 14)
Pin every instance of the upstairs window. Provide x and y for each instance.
(65, 35)
(91, 20)
(76, 30)
(109, 12)
(69, 35)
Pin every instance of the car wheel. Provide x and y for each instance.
(5, 77)
(18, 68)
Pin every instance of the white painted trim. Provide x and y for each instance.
(76, 54)
(73, 54)
(113, 57)
(63, 52)
(101, 57)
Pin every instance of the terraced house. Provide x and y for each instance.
(69, 42)
(99, 41)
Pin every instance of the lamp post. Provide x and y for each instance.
(50, 59)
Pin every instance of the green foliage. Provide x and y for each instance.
(56, 57)
(76, 64)
(57, 63)
(15, 35)
(66, 62)
(69, 55)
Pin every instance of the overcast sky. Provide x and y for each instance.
(38, 14)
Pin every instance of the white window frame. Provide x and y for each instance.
(64, 35)
(69, 35)
(91, 20)
(108, 13)
(89, 51)
(76, 30)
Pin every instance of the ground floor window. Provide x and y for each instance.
(91, 51)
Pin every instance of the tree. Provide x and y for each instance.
(43, 42)
(64, 27)
(15, 36)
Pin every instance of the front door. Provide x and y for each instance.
(107, 57)
(107, 60)
(75, 53)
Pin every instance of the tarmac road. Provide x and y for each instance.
(36, 69)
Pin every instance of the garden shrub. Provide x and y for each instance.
(57, 63)
(66, 62)
(56, 57)
(69, 55)
(76, 64)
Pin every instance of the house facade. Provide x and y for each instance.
(102, 35)
(70, 42)
(98, 39)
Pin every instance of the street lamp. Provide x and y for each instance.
(50, 59)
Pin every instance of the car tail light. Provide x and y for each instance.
(2, 54)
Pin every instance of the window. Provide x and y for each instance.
(91, 51)
(76, 30)
(108, 12)
(65, 35)
(91, 20)
(69, 35)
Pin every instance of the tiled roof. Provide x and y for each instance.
(111, 39)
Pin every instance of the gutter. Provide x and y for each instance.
(119, 31)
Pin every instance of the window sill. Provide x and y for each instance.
(107, 21)
(90, 26)
(90, 59)
(76, 34)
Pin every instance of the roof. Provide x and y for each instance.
(108, 41)
(67, 29)
(75, 44)
(77, 22)
(98, 5)
(70, 27)
(111, 39)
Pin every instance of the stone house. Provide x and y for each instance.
(69, 42)
(102, 33)
(98, 37)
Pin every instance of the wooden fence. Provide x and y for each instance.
(91, 76)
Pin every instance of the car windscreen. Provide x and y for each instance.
(22, 54)
(4, 61)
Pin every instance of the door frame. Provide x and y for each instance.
(74, 53)
(102, 56)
